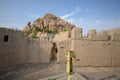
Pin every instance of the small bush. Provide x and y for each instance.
(38, 29)
(34, 36)
(28, 32)
(51, 32)
(51, 79)
(65, 30)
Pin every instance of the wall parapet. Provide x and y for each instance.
(76, 34)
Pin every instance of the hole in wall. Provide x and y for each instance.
(109, 37)
(6, 38)
(56, 50)
(53, 54)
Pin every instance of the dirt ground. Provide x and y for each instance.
(41, 71)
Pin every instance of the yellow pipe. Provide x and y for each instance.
(69, 77)
(69, 66)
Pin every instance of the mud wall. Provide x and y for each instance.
(62, 49)
(96, 49)
(92, 53)
(18, 49)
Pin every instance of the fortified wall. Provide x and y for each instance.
(97, 49)
(100, 49)
(18, 49)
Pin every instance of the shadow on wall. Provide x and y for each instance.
(53, 53)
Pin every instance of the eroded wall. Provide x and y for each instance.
(62, 36)
(96, 49)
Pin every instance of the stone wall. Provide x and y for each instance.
(17, 49)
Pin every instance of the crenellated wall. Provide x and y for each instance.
(100, 49)
(97, 49)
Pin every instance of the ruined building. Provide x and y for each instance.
(37, 46)
(96, 49)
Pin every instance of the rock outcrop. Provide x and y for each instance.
(49, 23)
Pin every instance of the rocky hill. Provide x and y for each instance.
(49, 23)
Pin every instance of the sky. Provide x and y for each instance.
(86, 14)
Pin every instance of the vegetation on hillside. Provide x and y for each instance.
(48, 24)
(33, 32)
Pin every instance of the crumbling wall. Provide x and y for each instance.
(45, 36)
(53, 53)
(62, 36)
(103, 36)
(92, 35)
(114, 36)
(99, 49)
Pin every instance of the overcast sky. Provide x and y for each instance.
(87, 14)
